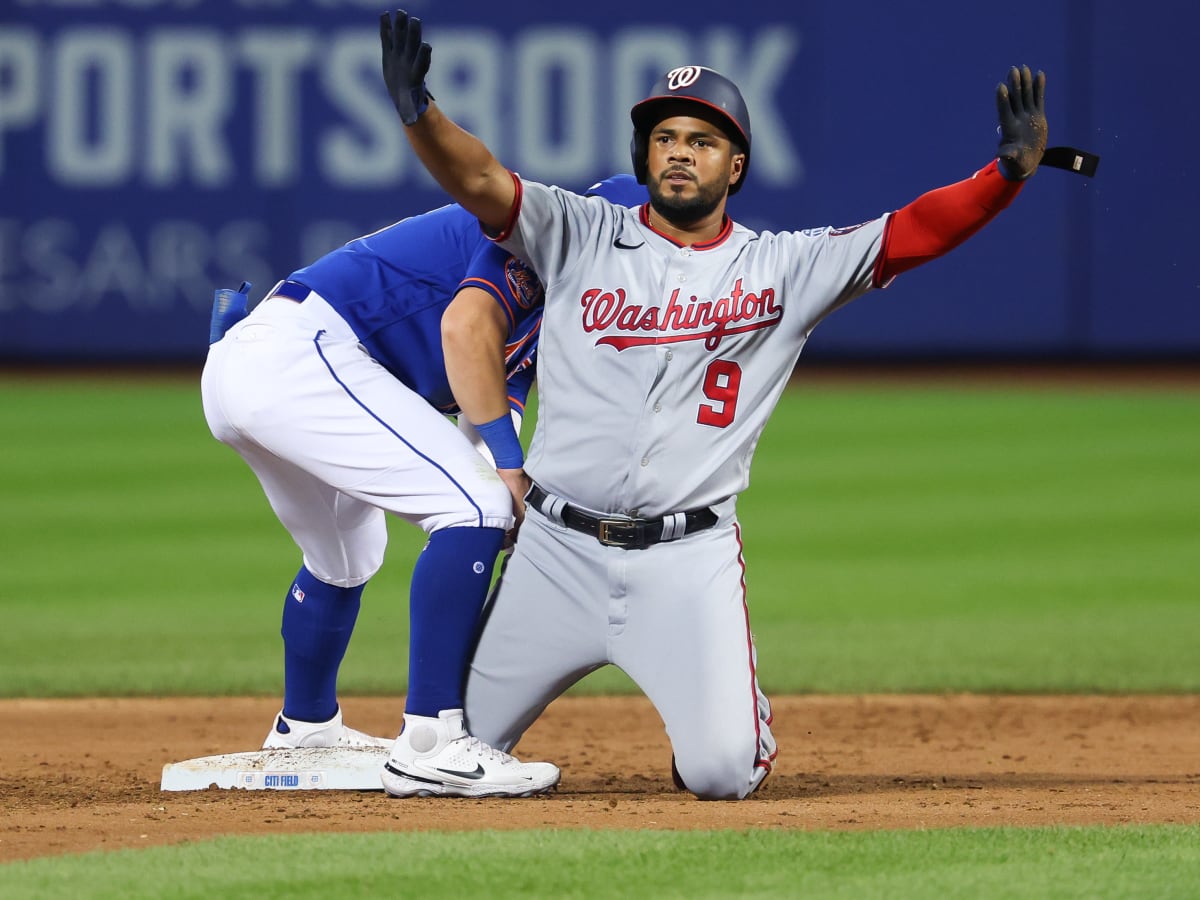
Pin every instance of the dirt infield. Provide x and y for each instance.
(82, 775)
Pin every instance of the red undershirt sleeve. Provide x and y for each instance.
(938, 221)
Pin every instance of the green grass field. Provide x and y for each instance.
(986, 538)
(1084, 863)
(897, 540)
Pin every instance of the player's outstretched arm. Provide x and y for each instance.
(460, 162)
(940, 220)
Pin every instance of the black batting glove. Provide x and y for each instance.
(405, 64)
(1022, 107)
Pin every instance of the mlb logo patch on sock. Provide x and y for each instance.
(297, 593)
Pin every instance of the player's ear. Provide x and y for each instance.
(737, 166)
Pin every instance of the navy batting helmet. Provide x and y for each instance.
(699, 85)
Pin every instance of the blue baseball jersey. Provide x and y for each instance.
(392, 287)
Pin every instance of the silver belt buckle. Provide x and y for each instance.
(605, 535)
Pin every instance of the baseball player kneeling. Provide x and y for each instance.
(668, 336)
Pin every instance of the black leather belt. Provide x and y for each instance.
(292, 290)
(632, 534)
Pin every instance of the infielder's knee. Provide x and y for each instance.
(488, 504)
(343, 573)
(347, 559)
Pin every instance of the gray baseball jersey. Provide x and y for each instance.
(658, 367)
(660, 364)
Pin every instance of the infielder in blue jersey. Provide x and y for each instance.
(334, 391)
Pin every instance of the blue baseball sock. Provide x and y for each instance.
(318, 619)
(450, 584)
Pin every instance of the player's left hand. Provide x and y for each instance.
(1023, 130)
(405, 63)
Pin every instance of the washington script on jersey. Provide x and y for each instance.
(695, 319)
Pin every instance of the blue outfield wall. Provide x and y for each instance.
(152, 150)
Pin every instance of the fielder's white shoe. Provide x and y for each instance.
(292, 734)
(437, 758)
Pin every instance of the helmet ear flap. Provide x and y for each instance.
(639, 150)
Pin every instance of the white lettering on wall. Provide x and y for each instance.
(639, 57)
(472, 83)
(368, 149)
(90, 117)
(52, 264)
(164, 107)
(556, 130)
(278, 59)
(758, 71)
(192, 106)
(190, 102)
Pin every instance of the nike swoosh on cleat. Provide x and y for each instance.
(478, 773)
(411, 776)
(621, 245)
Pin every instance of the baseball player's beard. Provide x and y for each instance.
(684, 212)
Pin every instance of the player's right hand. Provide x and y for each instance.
(1021, 105)
(518, 485)
(405, 63)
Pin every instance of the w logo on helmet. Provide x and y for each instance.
(684, 76)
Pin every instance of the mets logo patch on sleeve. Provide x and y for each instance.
(523, 284)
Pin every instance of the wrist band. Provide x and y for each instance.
(1071, 159)
(501, 439)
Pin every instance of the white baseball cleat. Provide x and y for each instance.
(292, 734)
(437, 758)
